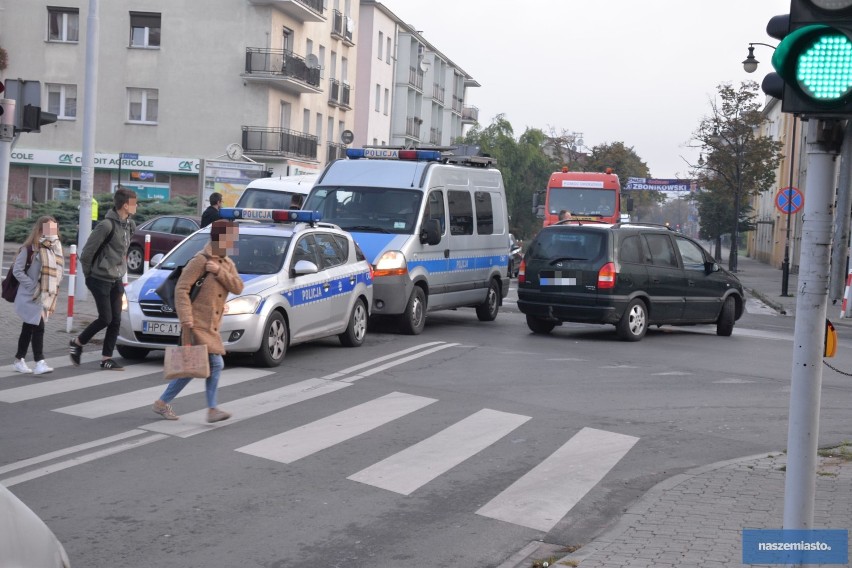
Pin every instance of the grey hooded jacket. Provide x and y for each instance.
(111, 264)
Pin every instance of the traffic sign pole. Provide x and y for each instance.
(785, 266)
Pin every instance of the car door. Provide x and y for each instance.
(665, 279)
(703, 289)
(334, 256)
(161, 233)
(182, 229)
(309, 313)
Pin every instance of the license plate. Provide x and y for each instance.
(549, 278)
(160, 328)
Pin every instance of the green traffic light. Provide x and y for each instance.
(824, 68)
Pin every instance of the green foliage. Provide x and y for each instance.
(625, 163)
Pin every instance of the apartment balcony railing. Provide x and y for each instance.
(435, 135)
(457, 104)
(283, 68)
(342, 27)
(302, 10)
(470, 114)
(415, 78)
(338, 94)
(412, 127)
(438, 93)
(335, 152)
(266, 141)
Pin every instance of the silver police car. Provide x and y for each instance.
(304, 280)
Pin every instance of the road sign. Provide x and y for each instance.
(126, 156)
(789, 200)
(347, 137)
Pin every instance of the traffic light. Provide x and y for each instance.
(34, 118)
(2, 106)
(814, 59)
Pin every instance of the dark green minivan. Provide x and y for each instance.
(628, 275)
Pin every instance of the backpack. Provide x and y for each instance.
(10, 283)
(166, 290)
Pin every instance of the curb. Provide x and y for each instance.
(771, 303)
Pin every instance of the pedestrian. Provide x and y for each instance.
(212, 212)
(38, 288)
(564, 215)
(296, 201)
(94, 212)
(200, 318)
(104, 264)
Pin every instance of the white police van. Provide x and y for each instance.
(275, 193)
(303, 280)
(435, 228)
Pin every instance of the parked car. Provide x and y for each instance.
(303, 281)
(24, 538)
(166, 231)
(627, 275)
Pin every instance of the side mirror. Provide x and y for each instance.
(629, 204)
(430, 233)
(305, 267)
(156, 259)
(711, 266)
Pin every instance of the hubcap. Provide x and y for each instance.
(637, 320)
(360, 327)
(416, 312)
(275, 341)
(134, 259)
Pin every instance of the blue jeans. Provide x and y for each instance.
(216, 366)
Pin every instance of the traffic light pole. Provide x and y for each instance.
(841, 232)
(809, 334)
(785, 267)
(7, 134)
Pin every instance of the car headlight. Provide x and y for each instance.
(391, 263)
(242, 305)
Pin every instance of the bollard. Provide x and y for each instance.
(847, 296)
(147, 263)
(72, 279)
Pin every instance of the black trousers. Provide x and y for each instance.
(107, 297)
(31, 333)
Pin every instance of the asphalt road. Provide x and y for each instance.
(453, 448)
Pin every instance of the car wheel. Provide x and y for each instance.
(634, 322)
(135, 259)
(725, 323)
(413, 320)
(273, 346)
(356, 331)
(538, 325)
(487, 310)
(132, 353)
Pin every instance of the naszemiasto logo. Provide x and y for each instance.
(185, 166)
(66, 158)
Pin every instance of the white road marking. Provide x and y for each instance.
(543, 496)
(54, 362)
(673, 374)
(145, 397)
(94, 379)
(417, 465)
(371, 362)
(303, 441)
(387, 366)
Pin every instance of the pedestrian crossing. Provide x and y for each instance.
(538, 499)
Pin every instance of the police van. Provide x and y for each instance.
(434, 227)
(304, 280)
(276, 193)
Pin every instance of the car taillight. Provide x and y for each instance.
(522, 271)
(606, 276)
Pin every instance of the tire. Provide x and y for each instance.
(132, 353)
(413, 319)
(727, 317)
(135, 259)
(487, 310)
(634, 322)
(356, 331)
(273, 346)
(538, 325)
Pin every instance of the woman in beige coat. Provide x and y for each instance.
(202, 317)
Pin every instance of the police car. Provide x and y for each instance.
(304, 280)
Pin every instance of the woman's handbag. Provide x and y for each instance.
(186, 361)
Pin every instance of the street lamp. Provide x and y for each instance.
(750, 63)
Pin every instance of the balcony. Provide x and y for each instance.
(415, 78)
(435, 135)
(282, 69)
(265, 141)
(470, 114)
(302, 10)
(412, 127)
(457, 104)
(342, 27)
(338, 94)
(438, 93)
(335, 152)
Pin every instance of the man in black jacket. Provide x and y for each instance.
(212, 213)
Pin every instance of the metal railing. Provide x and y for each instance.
(435, 135)
(341, 26)
(470, 113)
(335, 152)
(317, 6)
(457, 104)
(412, 126)
(279, 142)
(438, 93)
(280, 63)
(415, 78)
(338, 93)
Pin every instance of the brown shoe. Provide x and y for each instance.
(216, 415)
(165, 410)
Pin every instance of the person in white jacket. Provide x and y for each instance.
(38, 289)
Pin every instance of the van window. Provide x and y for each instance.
(484, 213)
(567, 245)
(435, 209)
(371, 209)
(461, 213)
(631, 250)
(691, 254)
(662, 253)
(258, 198)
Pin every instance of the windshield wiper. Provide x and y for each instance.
(561, 258)
(368, 228)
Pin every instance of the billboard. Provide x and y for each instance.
(228, 178)
(652, 184)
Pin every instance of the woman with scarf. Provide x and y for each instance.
(38, 289)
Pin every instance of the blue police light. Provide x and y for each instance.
(274, 215)
(394, 154)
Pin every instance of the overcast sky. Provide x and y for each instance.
(640, 72)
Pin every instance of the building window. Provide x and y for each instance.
(319, 128)
(381, 45)
(62, 101)
(388, 56)
(142, 105)
(330, 130)
(144, 29)
(63, 24)
(286, 39)
(378, 97)
(375, 141)
(306, 121)
(387, 101)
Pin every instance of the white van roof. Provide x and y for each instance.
(294, 184)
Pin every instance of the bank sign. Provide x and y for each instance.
(106, 161)
(651, 184)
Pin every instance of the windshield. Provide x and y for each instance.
(555, 245)
(255, 254)
(265, 199)
(581, 201)
(369, 209)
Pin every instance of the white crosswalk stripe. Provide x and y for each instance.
(311, 438)
(94, 379)
(419, 464)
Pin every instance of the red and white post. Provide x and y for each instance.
(846, 305)
(72, 280)
(147, 263)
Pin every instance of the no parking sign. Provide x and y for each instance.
(789, 200)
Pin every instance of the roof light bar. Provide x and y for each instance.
(393, 154)
(274, 215)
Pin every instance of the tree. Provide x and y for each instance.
(625, 162)
(736, 161)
